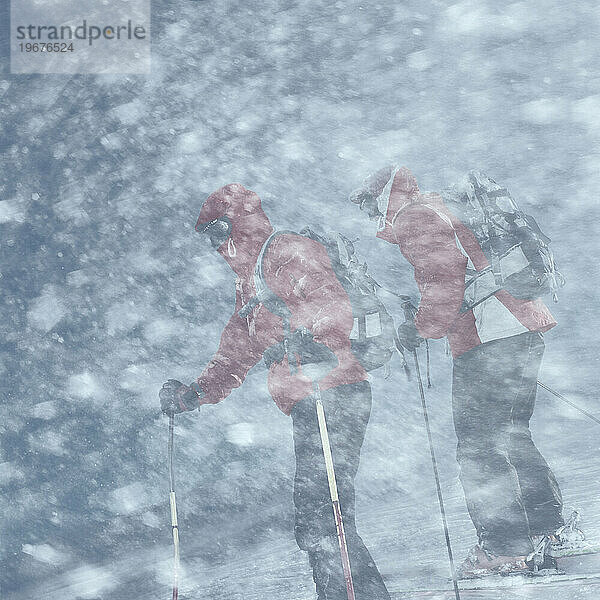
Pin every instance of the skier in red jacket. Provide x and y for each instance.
(316, 309)
(512, 495)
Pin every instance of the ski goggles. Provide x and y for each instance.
(218, 230)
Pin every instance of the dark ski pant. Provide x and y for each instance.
(510, 490)
(347, 410)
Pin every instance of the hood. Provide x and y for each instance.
(250, 226)
(402, 190)
(394, 188)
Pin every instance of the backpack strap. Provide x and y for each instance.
(264, 295)
(270, 300)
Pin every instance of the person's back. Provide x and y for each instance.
(441, 248)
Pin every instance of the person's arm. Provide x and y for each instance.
(429, 244)
(238, 352)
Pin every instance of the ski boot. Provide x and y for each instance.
(481, 563)
(569, 540)
(540, 562)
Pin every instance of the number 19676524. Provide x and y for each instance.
(46, 47)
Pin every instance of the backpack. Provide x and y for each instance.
(373, 335)
(519, 253)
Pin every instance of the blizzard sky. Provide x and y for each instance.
(105, 291)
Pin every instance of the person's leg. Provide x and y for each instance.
(347, 410)
(314, 528)
(485, 383)
(540, 490)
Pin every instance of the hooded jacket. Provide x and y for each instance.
(299, 271)
(439, 247)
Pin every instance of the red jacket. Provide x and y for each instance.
(426, 233)
(299, 271)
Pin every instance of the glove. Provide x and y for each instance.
(408, 336)
(175, 397)
(274, 354)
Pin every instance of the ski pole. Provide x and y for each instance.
(569, 402)
(335, 501)
(437, 476)
(173, 503)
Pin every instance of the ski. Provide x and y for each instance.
(499, 582)
(576, 551)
